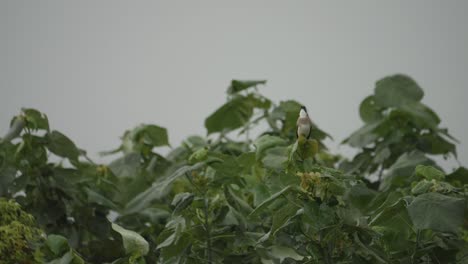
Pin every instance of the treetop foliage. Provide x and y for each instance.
(235, 197)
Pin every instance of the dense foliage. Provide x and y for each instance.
(232, 197)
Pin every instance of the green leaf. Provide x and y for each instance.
(182, 201)
(421, 115)
(435, 144)
(459, 176)
(158, 190)
(127, 166)
(429, 173)
(133, 242)
(94, 197)
(57, 244)
(62, 146)
(272, 198)
(276, 158)
(237, 86)
(437, 212)
(266, 142)
(35, 119)
(397, 90)
(153, 135)
(363, 136)
(422, 187)
(369, 110)
(232, 115)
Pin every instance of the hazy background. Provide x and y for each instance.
(98, 68)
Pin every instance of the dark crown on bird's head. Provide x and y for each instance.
(303, 107)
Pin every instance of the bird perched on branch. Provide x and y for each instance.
(304, 124)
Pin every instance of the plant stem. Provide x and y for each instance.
(208, 254)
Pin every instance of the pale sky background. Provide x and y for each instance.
(98, 68)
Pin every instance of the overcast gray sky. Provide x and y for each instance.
(98, 68)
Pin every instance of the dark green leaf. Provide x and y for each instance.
(57, 244)
(237, 86)
(62, 146)
(232, 115)
(35, 119)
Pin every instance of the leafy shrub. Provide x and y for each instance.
(269, 198)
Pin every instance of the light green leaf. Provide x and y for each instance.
(437, 212)
(397, 90)
(429, 173)
(134, 243)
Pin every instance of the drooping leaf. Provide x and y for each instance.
(232, 115)
(158, 190)
(272, 198)
(133, 242)
(397, 90)
(62, 146)
(437, 212)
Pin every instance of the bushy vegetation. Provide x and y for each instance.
(235, 197)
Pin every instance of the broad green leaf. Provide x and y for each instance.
(95, 197)
(158, 190)
(394, 224)
(232, 115)
(272, 198)
(421, 115)
(429, 173)
(35, 119)
(266, 142)
(57, 244)
(435, 144)
(283, 217)
(397, 90)
(363, 136)
(275, 158)
(369, 110)
(153, 135)
(62, 146)
(127, 166)
(133, 242)
(437, 212)
(237, 86)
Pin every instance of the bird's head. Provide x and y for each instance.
(303, 112)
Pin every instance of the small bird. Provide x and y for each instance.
(304, 124)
